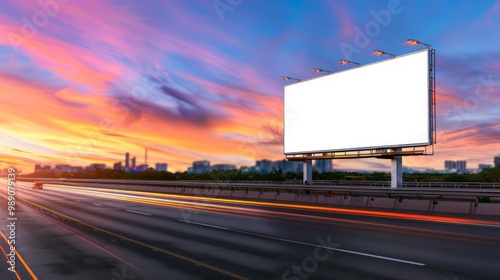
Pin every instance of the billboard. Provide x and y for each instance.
(381, 105)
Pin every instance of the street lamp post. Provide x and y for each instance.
(345, 61)
(317, 70)
(380, 52)
(286, 78)
(416, 42)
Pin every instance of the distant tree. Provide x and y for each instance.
(379, 176)
(277, 174)
(490, 175)
(458, 178)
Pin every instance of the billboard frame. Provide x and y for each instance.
(389, 151)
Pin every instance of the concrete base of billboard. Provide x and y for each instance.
(307, 171)
(397, 170)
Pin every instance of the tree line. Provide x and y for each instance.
(277, 174)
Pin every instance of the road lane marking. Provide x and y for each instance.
(90, 240)
(170, 253)
(138, 212)
(305, 243)
(78, 200)
(26, 266)
(7, 258)
(97, 204)
(205, 225)
(379, 257)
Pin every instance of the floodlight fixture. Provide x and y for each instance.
(286, 78)
(345, 61)
(317, 70)
(416, 42)
(380, 52)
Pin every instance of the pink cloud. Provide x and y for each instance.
(342, 13)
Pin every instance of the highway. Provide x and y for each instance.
(71, 232)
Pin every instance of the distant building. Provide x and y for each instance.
(323, 165)
(161, 167)
(95, 166)
(133, 162)
(201, 166)
(38, 168)
(264, 166)
(141, 168)
(75, 169)
(461, 166)
(118, 166)
(288, 166)
(481, 167)
(127, 165)
(223, 167)
(449, 164)
(62, 168)
(496, 161)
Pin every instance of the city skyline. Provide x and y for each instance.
(197, 82)
(265, 166)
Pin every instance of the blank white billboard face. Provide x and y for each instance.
(381, 105)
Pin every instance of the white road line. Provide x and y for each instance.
(205, 225)
(379, 257)
(137, 212)
(97, 204)
(307, 244)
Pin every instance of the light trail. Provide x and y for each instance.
(211, 204)
(325, 209)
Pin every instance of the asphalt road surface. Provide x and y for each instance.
(64, 232)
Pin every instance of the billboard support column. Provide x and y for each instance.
(307, 169)
(396, 170)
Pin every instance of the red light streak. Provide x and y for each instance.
(237, 206)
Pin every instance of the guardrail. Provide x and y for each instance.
(448, 197)
(455, 185)
(416, 184)
(381, 190)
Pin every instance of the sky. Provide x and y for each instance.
(83, 82)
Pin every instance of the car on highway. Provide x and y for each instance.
(37, 185)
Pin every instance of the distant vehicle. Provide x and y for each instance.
(37, 185)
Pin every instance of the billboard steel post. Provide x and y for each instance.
(396, 170)
(307, 169)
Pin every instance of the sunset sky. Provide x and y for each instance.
(84, 82)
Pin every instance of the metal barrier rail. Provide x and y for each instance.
(454, 185)
(467, 194)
